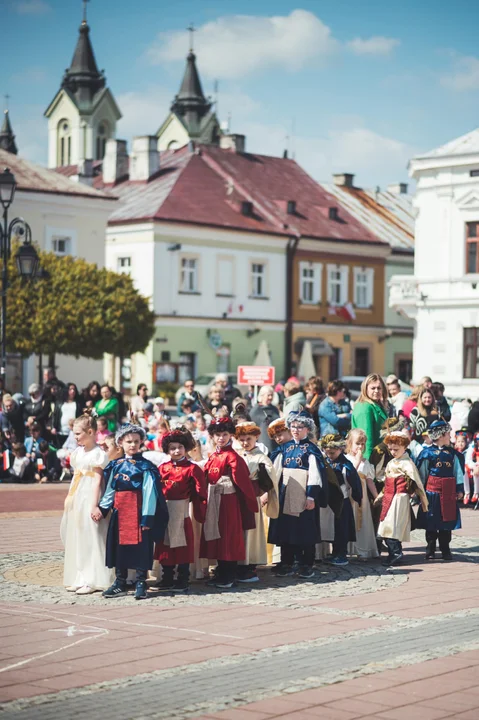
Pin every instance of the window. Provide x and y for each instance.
(123, 264)
(63, 143)
(361, 361)
(471, 352)
(472, 255)
(310, 283)
(186, 366)
(102, 137)
(224, 276)
(363, 287)
(189, 275)
(258, 280)
(337, 284)
(61, 245)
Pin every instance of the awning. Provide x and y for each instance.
(318, 346)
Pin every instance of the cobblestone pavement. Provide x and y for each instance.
(353, 642)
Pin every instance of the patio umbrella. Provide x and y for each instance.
(263, 356)
(306, 368)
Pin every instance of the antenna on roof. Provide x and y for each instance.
(85, 2)
(7, 98)
(191, 29)
(215, 91)
(293, 131)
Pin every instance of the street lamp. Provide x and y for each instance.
(26, 257)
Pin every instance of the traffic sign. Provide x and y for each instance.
(255, 375)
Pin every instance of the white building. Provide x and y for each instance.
(66, 218)
(443, 295)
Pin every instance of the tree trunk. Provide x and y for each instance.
(40, 369)
(51, 361)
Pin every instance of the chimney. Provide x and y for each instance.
(115, 162)
(144, 159)
(233, 142)
(85, 172)
(344, 179)
(398, 188)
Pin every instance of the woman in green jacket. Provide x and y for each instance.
(370, 411)
(108, 408)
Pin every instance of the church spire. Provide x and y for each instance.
(7, 137)
(190, 103)
(83, 79)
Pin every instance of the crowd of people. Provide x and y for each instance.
(287, 477)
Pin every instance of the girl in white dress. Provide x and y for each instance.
(366, 545)
(83, 530)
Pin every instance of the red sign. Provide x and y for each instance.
(255, 375)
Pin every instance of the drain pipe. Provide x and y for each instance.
(291, 248)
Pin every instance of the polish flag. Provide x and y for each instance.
(333, 310)
(6, 460)
(347, 312)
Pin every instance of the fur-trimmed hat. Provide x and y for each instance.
(437, 429)
(334, 441)
(301, 417)
(221, 424)
(277, 426)
(398, 436)
(247, 428)
(390, 425)
(179, 435)
(129, 429)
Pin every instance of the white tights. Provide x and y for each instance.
(467, 482)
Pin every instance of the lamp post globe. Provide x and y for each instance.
(7, 188)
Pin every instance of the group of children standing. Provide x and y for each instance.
(306, 502)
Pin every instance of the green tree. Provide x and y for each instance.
(79, 309)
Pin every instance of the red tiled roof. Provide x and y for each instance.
(207, 187)
(35, 178)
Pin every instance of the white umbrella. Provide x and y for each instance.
(263, 357)
(306, 368)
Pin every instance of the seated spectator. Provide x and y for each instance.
(108, 407)
(32, 443)
(216, 398)
(315, 395)
(21, 470)
(332, 418)
(425, 413)
(92, 394)
(188, 393)
(48, 466)
(294, 398)
(159, 408)
(263, 414)
(139, 402)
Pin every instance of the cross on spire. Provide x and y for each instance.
(7, 98)
(191, 29)
(85, 2)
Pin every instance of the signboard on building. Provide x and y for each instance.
(255, 375)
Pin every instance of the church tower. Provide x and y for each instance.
(83, 114)
(191, 116)
(7, 138)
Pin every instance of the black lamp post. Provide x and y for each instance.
(26, 257)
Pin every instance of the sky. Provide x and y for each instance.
(345, 86)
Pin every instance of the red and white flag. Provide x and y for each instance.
(6, 460)
(346, 312)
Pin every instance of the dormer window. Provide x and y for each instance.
(101, 138)
(247, 208)
(333, 213)
(291, 207)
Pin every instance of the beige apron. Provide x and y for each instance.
(224, 486)
(295, 482)
(178, 510)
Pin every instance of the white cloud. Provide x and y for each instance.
(238, 45)
(32, 7)
(31, 132)
(377, 45)
(143, 112)
(465, 75)
(373, 158)
(31, 75)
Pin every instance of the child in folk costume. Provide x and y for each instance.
(443, 478)
(365, 545)
(471, 469)
(139, 516)
(265, 485)
(82, 532)
(401, 481)
(344, 525)
(183, 482)
(303, 489)
(231, 507)
(278, 432)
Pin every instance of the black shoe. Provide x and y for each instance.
(430, 555)
(447, 556)
(118, 589)
(166, 583)
(393, 560)
(285, 571)
(224, 585)
(180, 586)
(140, 592)
(248, 577)
(306, 572)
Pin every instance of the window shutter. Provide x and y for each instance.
(370, 287)
(318, 271)
(344, 284)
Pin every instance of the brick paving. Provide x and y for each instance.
(354, 643)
